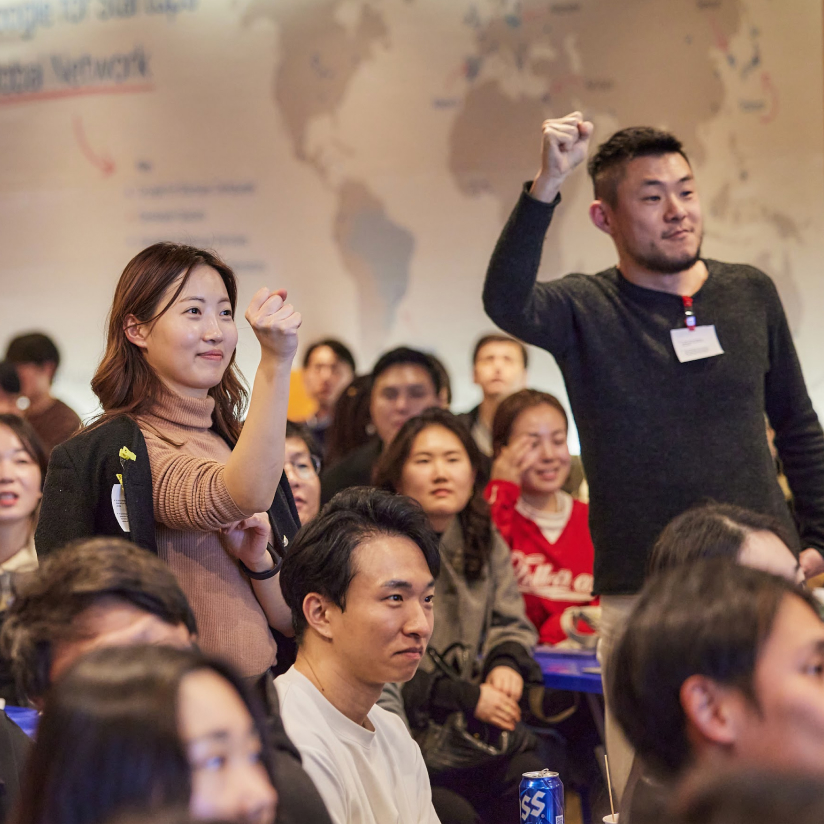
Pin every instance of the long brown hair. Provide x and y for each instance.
(474, 518)
(124, 381)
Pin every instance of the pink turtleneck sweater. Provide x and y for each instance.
(191, 503)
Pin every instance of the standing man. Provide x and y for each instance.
(670, 360)
(37, 358)
(499, 368)
(328, 368)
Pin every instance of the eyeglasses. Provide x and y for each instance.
(303, 468)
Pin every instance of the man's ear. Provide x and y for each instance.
(134, 331)
(712, 710)
(599, 214)
(316, 612)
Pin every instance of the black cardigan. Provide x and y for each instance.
(77, 495)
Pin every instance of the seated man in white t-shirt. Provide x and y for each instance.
(359, 580)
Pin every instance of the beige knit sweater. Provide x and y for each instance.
(191, 503)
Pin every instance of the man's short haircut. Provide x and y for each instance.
(712, 531)
(33, 347)
(606, 166)
(70, 581)
(320, 559)
(403, 355)
(9, 379)
(341, 350)
(497, 338)
(743, 796)
(712, 619)
(511, 407)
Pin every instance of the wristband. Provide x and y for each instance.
(268, 573)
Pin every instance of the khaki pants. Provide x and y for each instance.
(614, 612)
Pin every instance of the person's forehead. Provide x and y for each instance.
(381, 558)
(404, 374)
(296, 446)
(669, 167)
(323, 355)
(796, 629)
(499, 348)
(542, 416)
(436, 438)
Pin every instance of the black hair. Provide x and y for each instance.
(341, 350)
(446, 382)
(33, 347)
(498, 338)
(9, 379)
(302, 432)
(606, 166)
(109, 741)
(712, 619)
(404, 355)
(712, 531)
(70, 581)
(320, 559)
(474, 518)
(350, 420)
(744, 796)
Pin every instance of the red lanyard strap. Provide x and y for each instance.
(689, 315)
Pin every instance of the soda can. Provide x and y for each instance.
(542, 798)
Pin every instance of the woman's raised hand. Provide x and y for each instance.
(274, 322)
(514, 459)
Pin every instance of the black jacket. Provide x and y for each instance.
(77, 495)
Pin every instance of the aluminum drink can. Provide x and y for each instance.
(542, 798)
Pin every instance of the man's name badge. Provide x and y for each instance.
(119, 507)
(695, 344)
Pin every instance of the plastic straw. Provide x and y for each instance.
(609, 786)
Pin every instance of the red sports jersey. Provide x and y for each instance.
(551, 577)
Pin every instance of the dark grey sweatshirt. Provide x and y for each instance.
(659, 436)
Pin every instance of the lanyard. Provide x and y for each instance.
(689, 315)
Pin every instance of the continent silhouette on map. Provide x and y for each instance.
(640, 62)
(378, 253)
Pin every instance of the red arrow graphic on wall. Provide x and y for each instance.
(101, 161)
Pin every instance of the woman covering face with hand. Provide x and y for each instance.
(143, 729)
(434, 460)
(168, 465)
(547, 531)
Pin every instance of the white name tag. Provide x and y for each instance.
(119, 507)
(695, 344)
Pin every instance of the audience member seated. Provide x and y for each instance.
(404, 383)
(9, 389)
(499, 365)
(22, 469)
(720, 667)
(727, 531)
(302, 467)
(303, 462)
(105, 592)
(351, 426)
(480, 620)
(744, 796)
(36, 357)
(142, 728)
(328, 368)
(359, 580)
(547, 531)
(168, 465)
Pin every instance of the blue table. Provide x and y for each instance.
(570, 669)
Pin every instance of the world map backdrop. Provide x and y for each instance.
(365, 153)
